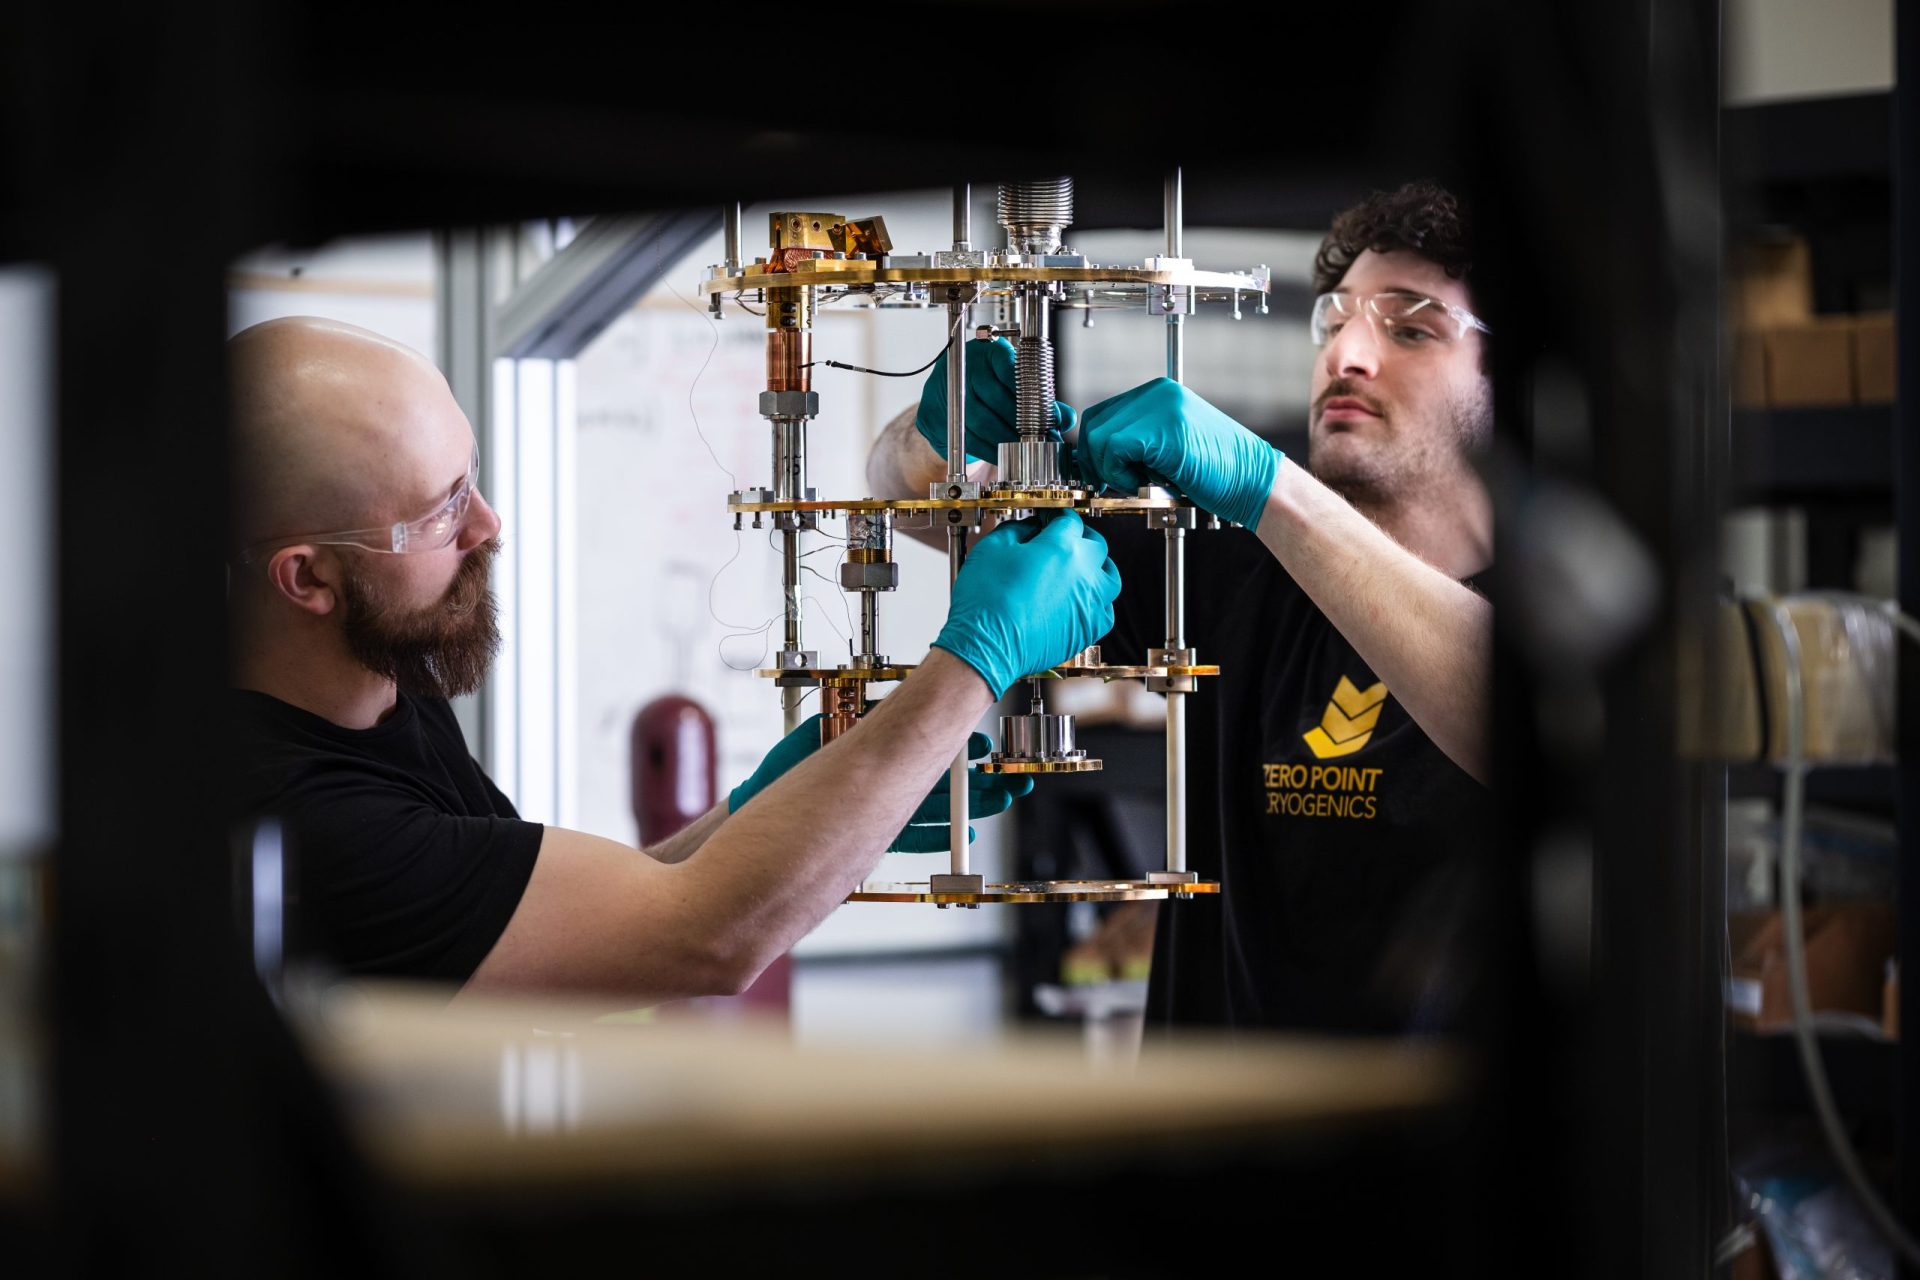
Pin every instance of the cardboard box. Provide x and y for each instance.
(1847, 949)
(1873, 358)
(1749, 369)
(1810, 363)
(1771, 284)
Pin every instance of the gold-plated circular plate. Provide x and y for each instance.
(844, 272)
(901, 670)
(1033, 500)
(1022, 891)
(891, 672)
(1040, 766)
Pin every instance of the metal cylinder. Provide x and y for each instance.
(1176, 607)
(1030, 464)
(963, 217)
(733, 237)
(789, 356)
(957, 550)
(1176, 588)
(869, 654)
(1033, 376)
(870, 531)
(1036, 213)
(840, 708)
(1037, 737)
(1175, 214)
(789, 459)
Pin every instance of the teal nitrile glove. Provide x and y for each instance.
(990, 402)
(1032, 593)
(927, 830)
(1162, 433)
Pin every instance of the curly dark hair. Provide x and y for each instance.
(1422, 217)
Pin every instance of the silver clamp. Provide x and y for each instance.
(1171, 658)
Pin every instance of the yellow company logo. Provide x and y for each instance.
(1349, 720)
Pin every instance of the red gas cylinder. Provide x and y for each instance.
(674, 765)
(673, 773)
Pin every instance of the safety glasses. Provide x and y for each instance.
(1408, 319)
(437, 529)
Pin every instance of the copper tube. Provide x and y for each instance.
(789, 351)
(840, 708)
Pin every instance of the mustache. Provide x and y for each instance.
(472, 582)
(1340, 387)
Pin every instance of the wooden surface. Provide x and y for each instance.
(507, 1094)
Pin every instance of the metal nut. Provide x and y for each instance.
(789, 404)
(869, 577)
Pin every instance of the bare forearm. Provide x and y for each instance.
(903, 465)
(1429, 638)
(779, 866)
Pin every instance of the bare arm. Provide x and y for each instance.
(597, 918)
(902, 465)
(1428, 637)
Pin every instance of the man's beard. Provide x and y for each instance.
(1399, 470)
(441, 651)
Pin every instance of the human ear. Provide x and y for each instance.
(298, 574)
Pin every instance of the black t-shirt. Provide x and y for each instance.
(1337, 830)
(406, 860)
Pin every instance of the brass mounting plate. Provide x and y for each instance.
(901, 670)
(844, 271)
(1025, 891)
(841, 675)
(1040, 766)
(1046, 499)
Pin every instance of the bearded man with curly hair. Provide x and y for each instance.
(1338, 766)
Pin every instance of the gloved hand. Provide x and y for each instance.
(990, 401)
(927, 830)
(1032, 593)
(1162, 433)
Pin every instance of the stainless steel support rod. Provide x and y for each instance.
(790, 484)
(1176, 568)
(957, 336)
(1176, 248)
(733, 237)
(1176, 704)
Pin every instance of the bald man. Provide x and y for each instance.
(348, 642)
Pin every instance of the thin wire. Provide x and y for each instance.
(743, 306)
(911, 373)
(832, 542)
(732, 479)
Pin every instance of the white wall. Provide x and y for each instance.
(1805, 48)
(380, 283)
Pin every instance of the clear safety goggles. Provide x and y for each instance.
(431, 532)
(1409, 319)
